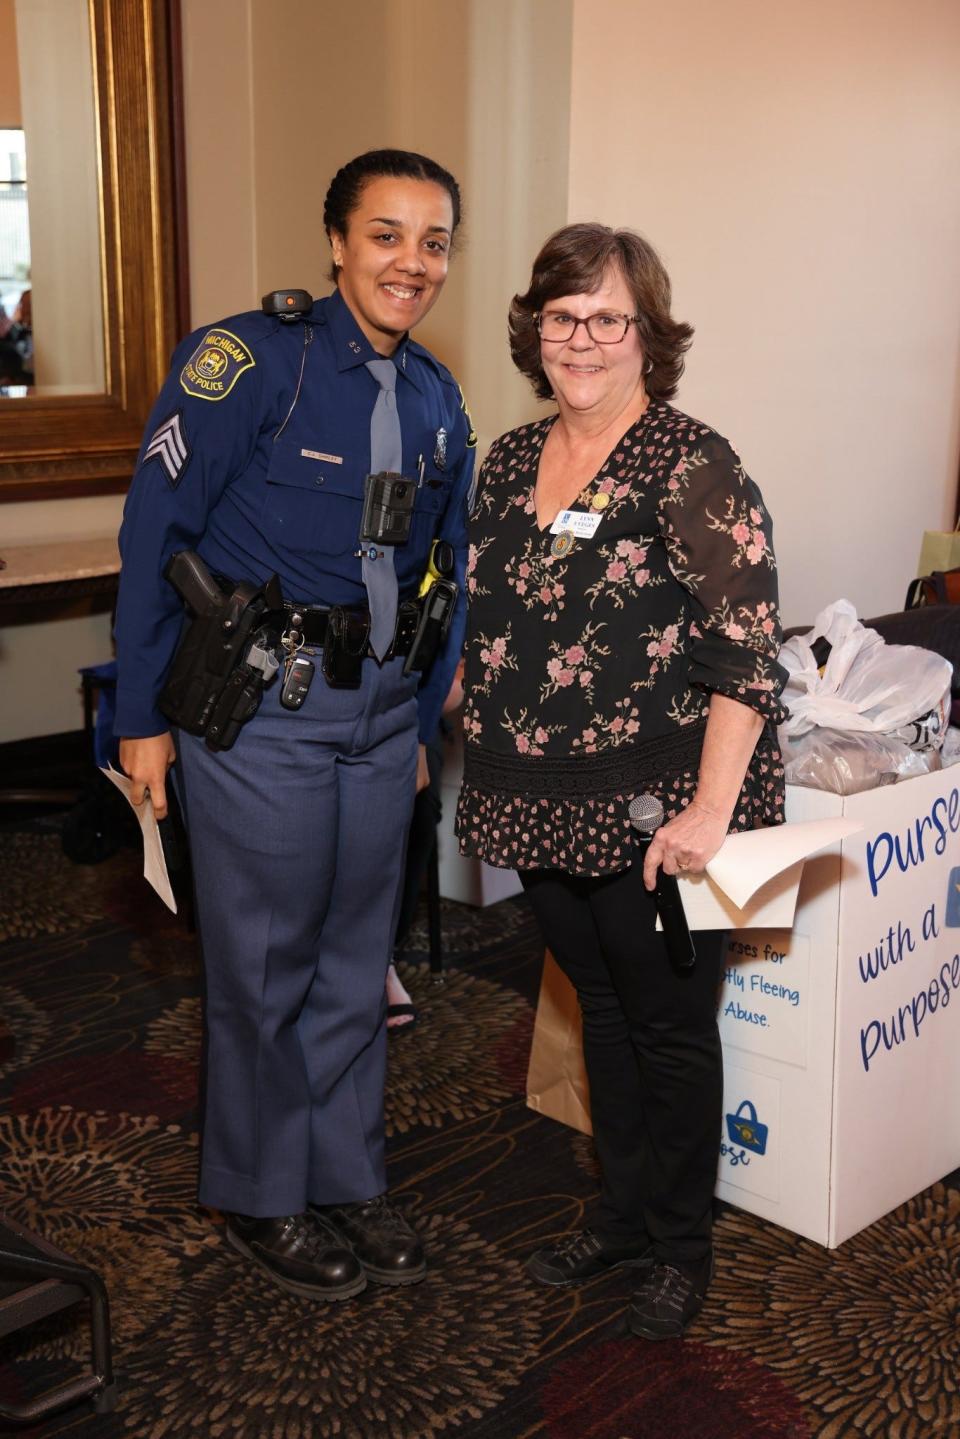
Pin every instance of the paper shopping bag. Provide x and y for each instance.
(940, 551)
(556, 1079)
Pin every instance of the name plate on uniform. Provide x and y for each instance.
(581, 523)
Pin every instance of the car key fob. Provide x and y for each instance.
(296, 682)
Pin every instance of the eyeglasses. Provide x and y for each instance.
(606, 327)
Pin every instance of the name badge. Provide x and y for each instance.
(319, 455)
(579, 522)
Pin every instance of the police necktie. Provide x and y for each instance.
(386, 453)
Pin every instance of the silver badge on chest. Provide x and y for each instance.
(440, 449)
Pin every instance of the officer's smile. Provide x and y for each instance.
(401, 292)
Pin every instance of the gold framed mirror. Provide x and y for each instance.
(53, 446)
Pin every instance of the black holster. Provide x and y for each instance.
(211, 688)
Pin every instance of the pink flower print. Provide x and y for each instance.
(616, 725)
(540, 735)
(754, 554)
(521, 587)
(523, 570)
(640, 577)
(523, 744)
(620, 491)
(632, 726)
(499, 646)
(741, 533)
(565, 678)
(589, 735)
(673, 484)
(734, 631)
(472, 557)
(759, 539)
(767, 627)
(545, 595)
(605, 487)
(485, 656)
(652, 648)
(616, 570)
(762, 609)
(756, 517)
(554, 668)
(559, 590)
(575, 655)
(585, 677)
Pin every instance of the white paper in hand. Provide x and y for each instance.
(754, 877)
(154, 864)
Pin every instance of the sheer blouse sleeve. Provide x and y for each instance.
(718, 538)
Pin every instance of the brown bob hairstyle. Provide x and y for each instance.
(574, 261)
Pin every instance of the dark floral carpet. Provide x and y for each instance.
(99, 1046)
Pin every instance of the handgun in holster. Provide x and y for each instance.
(226, 655)
(438, 600)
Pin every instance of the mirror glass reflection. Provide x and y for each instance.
(16, 328)
(50, 252)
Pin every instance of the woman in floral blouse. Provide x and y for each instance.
(622, 641)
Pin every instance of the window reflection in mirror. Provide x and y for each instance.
(16, 328)
(50, 269)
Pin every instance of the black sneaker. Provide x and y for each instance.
(583, 1254)
(380, 1238)
(300, 1253)
(669, 1298)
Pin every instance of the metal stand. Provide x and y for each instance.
(37, 1280)
(433, 911)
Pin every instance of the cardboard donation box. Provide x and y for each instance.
(841, 1037)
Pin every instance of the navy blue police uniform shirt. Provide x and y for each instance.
(255, 456)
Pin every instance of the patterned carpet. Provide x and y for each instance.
(99, 1044)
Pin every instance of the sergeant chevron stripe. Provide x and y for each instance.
(169, 447)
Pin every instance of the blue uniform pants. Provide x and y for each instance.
(297, 836)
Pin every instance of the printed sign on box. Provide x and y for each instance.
(763, 1001)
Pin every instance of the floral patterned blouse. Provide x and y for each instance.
(590, 660)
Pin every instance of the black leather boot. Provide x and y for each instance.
(300, 1252)
(380, 1238)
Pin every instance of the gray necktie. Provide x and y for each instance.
(386, 453)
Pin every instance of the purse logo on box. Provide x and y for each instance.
(745, 1128)
(952, 920)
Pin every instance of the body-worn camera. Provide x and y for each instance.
(387, 508)
(287, 304)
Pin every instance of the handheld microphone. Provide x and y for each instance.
(646, 817)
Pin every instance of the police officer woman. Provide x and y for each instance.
(273, 448)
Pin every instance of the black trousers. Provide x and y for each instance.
(652, 1053)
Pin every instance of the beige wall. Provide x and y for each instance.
(10, 118)
(797, 166)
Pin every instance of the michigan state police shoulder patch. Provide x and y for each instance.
(215, 365)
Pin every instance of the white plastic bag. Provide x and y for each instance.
(866, 686)
(851, 763)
